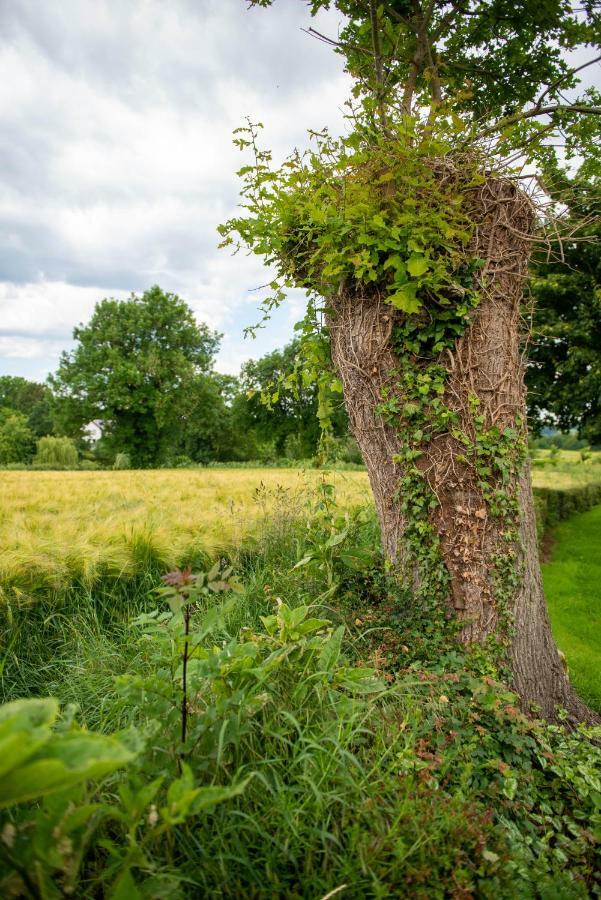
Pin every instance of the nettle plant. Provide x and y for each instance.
(411, 235)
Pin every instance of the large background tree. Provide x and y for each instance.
(131, 371)
(564, 372)
(412, 236)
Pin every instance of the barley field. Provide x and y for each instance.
(60, 528)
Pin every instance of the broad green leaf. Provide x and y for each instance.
(310, 625)
(296, 616)
(270, 623)
(330, 651)
(417, 265)
(65, 760)
(337, 538)
(125, 887)
(25, 726)
(404, 299)
(303, 562)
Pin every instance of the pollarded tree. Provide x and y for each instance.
(412, 236)
(131, 369)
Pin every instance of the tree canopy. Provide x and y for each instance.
(29, 398)
(131, 370)
(564, 375)
(493, 62)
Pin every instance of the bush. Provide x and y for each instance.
(89, 465)
(552, 505)
(122, 461)
(182, 461)
(55, 453)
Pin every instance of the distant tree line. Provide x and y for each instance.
(140, 389)
(142, 374)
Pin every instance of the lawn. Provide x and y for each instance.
(573, 588)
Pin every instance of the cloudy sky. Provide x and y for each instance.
(116, 159)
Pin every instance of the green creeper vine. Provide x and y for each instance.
(416, 408)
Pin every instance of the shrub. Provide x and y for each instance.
(55, 453)
(89, 465)
(122, 461)
(182, 461)
(553, 505)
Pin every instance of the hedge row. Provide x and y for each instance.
(553, 505)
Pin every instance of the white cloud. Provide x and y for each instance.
(116, 153)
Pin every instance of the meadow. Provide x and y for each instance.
(61, 528)
(332, 746)
(58, 529)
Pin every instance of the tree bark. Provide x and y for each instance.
(484, 372)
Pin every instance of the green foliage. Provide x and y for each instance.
(372, 208)
(132, 369)
(279, 403)
(37, 761)
(56, 453)
(319, 753)
(16, 437)
(323, 220)
(31, 400)
(489, 68)
(334, 543)
(44, 849)
(564, 372)
(564, 441)
(208, 428)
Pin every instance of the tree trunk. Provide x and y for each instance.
(484, 375)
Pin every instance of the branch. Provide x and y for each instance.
(565, 76)
(448, 18)
(312, 32)
(541, 111)
(379, 72)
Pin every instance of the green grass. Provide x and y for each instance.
(573, 588)
(433, 787)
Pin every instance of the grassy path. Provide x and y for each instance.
(573, 588)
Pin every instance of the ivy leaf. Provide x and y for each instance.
(417, 265)
(404, 299)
